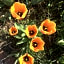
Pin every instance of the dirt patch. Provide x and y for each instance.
(4, 59)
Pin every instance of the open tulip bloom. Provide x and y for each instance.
(31, 31)
(26, 59)
(13, 31)
(48, 27)
(18, 10)
(37, 44)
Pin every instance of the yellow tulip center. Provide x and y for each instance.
(20, 13)
(35, 44)
(44, 28)
(13, 31)
(31, 32)
(26, 58)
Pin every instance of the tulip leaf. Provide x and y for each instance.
(16, 61)
(22, 41)
(19, 26)
(61, 60)
(17, 55)
(18, 36)
(25, 39)
(61, 42)
(27, 2)
(3, 19)
(23, 34)
(39, 34)
(1, 4)
(8, 2)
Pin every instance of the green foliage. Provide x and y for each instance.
(61, 60)
(5, 16)
(18, 36)
(23, 40)
(1, 4)
(8, 2)
(21, 31)
(62, 15)
(39, 34)
(36, 1)
(61, 43)
(19, 27)
(16, 61)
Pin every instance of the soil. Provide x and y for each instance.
(3, 55)
(5, 42)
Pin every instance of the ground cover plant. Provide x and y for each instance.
(32, 31)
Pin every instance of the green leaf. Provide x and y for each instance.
(24, 39)
(19, 26)
(61, 42)
(1, 4)
(27, 2)
(36, 1)
(3, 19)
(8, 2)
(16, 61)
(20, 42)
(5, 16)
(18, 37)
(23, 34)
(61, 60)
(39, 34)
(17, 55)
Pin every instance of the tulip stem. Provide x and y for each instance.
(27, 49)
(27, 2)
(48, 10)
(49, 39)
(18, 21)
(48, 13)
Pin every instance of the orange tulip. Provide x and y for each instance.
(13, 31)
(26, 59)
(37, 44)
(48, 27)
(31, 31)
(18, 10)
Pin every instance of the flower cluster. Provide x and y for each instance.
(47, 27)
